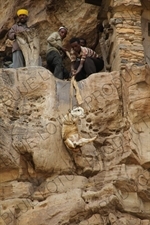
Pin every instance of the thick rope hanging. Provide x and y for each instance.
(73, 86)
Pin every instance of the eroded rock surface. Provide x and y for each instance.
(108, 181)
(42, 182)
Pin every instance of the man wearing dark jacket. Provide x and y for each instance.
(20, 26)
(56, 52)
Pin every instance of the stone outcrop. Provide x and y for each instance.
(42, 181)
(108, 181)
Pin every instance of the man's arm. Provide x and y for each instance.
(75, 72)
(12, 32)
(80, 66)
(82, 60)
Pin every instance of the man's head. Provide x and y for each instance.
(22, 15)
(82, 42)
(75, 44)
(62, 32)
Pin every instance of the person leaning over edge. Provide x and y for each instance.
(20, 26)
(84, 61)
(56, 52)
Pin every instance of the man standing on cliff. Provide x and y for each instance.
(56, 53)
(20, 26)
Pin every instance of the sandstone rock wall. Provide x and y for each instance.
(108, 182)
(44, 183)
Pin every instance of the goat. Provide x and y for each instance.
(70, 132)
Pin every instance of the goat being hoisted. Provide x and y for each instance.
(70, 133)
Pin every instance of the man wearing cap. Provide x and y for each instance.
(21, 25)
(56, 52)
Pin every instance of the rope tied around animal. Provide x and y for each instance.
(74, 85)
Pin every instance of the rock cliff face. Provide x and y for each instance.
(108, 181)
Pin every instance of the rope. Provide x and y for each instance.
(74, 85)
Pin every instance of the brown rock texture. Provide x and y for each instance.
(108, 181)
(42, 182)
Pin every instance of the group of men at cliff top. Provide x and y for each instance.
(84, 61)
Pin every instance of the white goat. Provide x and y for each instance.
(70, 133)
